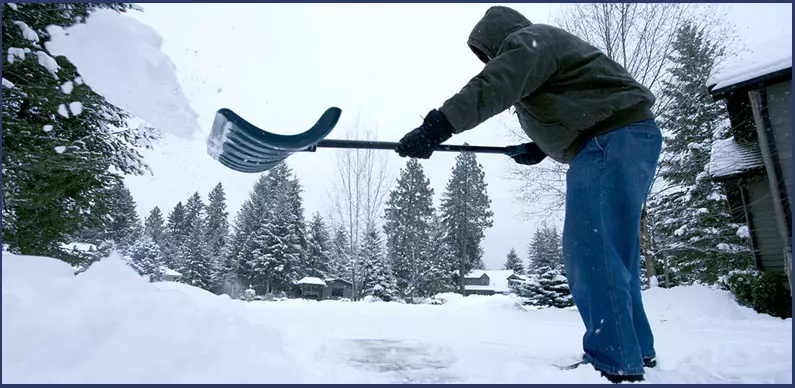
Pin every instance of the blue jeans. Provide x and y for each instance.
(607, 183)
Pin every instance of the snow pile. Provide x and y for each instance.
(697, 304)
(120, 58)
(480, 304)
(110, 325)
(766, 58)
(448, 296)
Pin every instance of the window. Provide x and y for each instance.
(336, 291)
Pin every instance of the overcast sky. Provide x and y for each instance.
(281, 65)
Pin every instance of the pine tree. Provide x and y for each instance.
(513, 262)
(217, 236)
(268, 232)
(194, 208)
(175, 237)
(145, 257)
(466, 212)
(318, 255)
(546, 285)
(408, 214)
(195, 265)
(545, 250)
(695, 230)
(124, 226)
(376, 276)
(341, 254)
(154, 226)
(217, 227)
(296, 225)
(64, 145)
(441, 263)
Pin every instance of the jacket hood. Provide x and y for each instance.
(492, 29)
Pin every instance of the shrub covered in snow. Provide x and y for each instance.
(764, 291)
(547, 289)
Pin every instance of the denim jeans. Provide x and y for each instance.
(607, 183)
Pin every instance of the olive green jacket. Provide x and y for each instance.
(564, 90)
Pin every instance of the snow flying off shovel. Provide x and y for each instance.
(244, 147)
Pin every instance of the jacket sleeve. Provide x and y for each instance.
(524, 62)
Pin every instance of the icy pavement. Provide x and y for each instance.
(108, 325)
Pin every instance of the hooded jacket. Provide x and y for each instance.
(564, 90)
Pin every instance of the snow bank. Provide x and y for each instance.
(697, 304)
(109, 325)
(484, 304)
(120, 58)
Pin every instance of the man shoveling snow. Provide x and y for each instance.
(580, 108)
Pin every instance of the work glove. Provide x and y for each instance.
(527, 154)
(420, 142)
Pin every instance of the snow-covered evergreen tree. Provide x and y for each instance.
(145, 257)
(217, 235)
(268, 232)
(194, 208)
(466, 212)
(318, 260)
(545, 250)
(376, 276)
(176, 234)
(546, 285)
(123, 226)
(514, 262)
(547, 288)
(440, 260)
(217, 225)
(696, 234)
(154, 226)
(64, 145)
(408, 214)
(194, 264)
(341, 254)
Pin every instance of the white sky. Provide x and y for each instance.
(281, 65)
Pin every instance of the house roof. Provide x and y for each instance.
(80, 246)
(772, 58)
(329, 280)
(311, 280)
(498, 279)
(728, 158)
(169, 272)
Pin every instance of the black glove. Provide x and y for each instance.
(527, 154)
(420, 142)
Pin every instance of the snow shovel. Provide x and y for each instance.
(244, 147)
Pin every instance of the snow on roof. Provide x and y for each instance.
(498, 279)
(768, 57)
(729, 157)
(337, 280)
(169, 272)
(83, 247)
(311, 280)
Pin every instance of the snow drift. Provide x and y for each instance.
(121, 59)
(110, 325)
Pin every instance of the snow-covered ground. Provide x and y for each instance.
(108, 325)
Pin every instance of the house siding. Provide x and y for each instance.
(328, 292)
(765, 227)
(779, 99)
